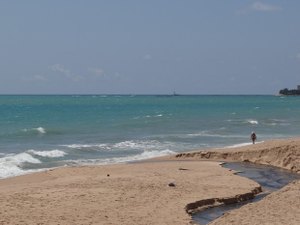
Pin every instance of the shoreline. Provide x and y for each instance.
(282, 153)
(140, 193)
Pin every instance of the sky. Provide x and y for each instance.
(149, 46)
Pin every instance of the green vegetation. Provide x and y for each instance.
(289, 92)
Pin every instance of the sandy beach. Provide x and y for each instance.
(282, 153)
(160, 191)
(281, 207)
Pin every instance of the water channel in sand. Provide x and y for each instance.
(270, 178)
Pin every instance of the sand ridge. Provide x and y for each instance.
(280, 153)
(279, 208)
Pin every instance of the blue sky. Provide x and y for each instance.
(149, 47)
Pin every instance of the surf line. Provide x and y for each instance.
(270, 179)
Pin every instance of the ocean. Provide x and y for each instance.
(42, 132)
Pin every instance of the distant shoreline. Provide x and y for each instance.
(177, 95)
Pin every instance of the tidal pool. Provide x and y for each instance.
(269, 177)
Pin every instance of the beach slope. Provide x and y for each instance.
(137, 193)
(278, 208)
(162, 191)
(283, 153)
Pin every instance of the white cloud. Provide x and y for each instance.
(98, 72)
(34, 78)
(259, 7)
(39, 78)
(263, 7)
(66, 72)
(61, 69)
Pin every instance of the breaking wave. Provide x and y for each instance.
(50, 154)
(143, 145)
(208, 134)
(143, 156)
(11, 165)
(255, 122)
(38, 130)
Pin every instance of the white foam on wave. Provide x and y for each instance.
(206, 134)
(153, 154)
(50, 154)
(143, 156)
(131, 144)
(84, 146)
(78, 146)
(247, 121)
(255, 122)
(136, 144)
(276, 122)
(241, 145)
(125, 144)
(142, 145)
(203, 134)
(39, 130)
(149, 116)
(11, 165)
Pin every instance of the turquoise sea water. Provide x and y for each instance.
(38, 132)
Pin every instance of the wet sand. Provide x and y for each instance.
(269, 177)
(280, 207)
(140, 193)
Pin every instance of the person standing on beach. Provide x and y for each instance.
(253, 137)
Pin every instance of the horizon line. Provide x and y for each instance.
(129, 94)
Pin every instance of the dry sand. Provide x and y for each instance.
(139, 193)
(131, 194)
